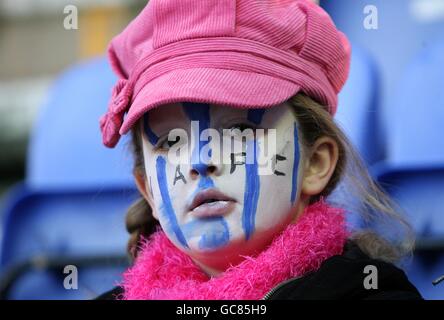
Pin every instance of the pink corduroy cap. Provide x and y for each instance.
(240, 53)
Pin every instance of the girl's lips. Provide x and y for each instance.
(210, 202)
(211, 209)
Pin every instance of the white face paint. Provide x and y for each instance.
(253, 209)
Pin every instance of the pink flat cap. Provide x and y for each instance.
(241, 53)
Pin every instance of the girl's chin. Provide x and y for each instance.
(228, 247)
(233, 252)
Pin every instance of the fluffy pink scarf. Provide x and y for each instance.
(161, 271)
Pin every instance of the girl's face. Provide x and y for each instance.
(220, 209)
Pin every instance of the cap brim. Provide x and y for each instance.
(234, 88)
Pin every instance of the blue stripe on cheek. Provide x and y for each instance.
(152, 137)
(255, 115)
(294, 180)
(252, 186)
(166, 201)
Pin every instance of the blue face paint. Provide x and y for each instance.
(152, 137)
(167, 206)
(252, 186)
(199, 112)
(255, 115)
(217, 236)
(205, 183)
(294, 181)
(213, 232)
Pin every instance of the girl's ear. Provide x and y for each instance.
(142, 186)
(319, 166)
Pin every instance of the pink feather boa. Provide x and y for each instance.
(161, 271)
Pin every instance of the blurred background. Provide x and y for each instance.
(57, 181)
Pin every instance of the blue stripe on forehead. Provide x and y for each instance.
(255, 115)
(199, 112)
(152, 137)
(167, 206)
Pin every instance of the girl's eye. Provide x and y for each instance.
(165, 144)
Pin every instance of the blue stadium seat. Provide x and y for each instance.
(427, 266)
(358, 106)
(404, 27)
(70, 210)
(413, 172)
(65, 148)
(414, 168)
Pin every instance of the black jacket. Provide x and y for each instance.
(339, 277)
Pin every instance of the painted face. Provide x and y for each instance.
(214, 210)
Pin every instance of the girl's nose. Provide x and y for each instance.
(203, 170)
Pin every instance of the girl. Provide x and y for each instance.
(230, 105)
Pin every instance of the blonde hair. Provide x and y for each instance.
(374, 208)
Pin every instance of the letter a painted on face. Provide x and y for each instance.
(178, 175)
